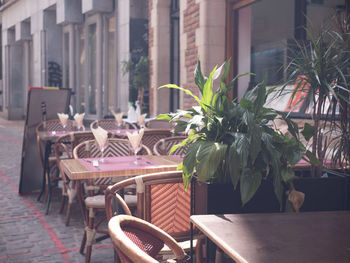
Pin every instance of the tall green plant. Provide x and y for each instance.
(231, 141)
(318, 68)
(139, 74)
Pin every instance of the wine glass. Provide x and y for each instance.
(102, 148)
(78, 126)
(64, 125)
(135, 149)
(119, 125)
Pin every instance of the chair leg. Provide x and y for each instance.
(71, 197)
(199, 250)
(90, 235)
(63, 200)
(83, 243)
(68, 214)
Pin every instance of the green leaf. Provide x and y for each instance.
(278, 187)
(246, 104)
(260, 99)
(242, 148)
(287, 174)
(210, 155)
(180, 126)
(189, 162)
(255, 142)
(163, 117)
(188, 92)
(208, 90)
(249, 184)
(308, 131)
(199, 79)
(224, 75)
(312, 158)
(234, 166)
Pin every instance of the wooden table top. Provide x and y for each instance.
(76, 170)
(48, 136)
(322, 237)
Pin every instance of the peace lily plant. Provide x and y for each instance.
(230, 141)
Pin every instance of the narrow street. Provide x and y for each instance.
(26, 233)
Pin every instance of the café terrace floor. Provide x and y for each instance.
(26, 233)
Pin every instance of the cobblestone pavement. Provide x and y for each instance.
(26, 233)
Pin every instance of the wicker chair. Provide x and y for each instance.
(111, 124)
(152, 136)
(52, 174)
(162, 201)
(51, 125)
(163, 146)
(96, 203)
(159, 124)
(64, 148)
(136, 240)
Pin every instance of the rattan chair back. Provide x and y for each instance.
(111, 124)
(163, 146)
(136, 240)
(161, 200)
(152, 136)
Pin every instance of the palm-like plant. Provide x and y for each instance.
(318, 68)
(231, 141)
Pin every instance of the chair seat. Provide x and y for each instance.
(130, 200)
(98, 201)
(185, 245)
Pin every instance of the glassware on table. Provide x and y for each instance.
(135, 150)
(102, 149)
(64, 127)
(63, 119)
(135, 139)
(119, 125)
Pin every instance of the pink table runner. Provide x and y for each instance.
(117, 163)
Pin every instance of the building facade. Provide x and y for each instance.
(81, 44)
(256, 34)
(74, 44)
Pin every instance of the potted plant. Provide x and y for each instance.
(320, 70)
(139, 76)
(235, 144)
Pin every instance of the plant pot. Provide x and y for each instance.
(325, 193)
(214, 198)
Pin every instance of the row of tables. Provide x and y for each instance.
(278, 237)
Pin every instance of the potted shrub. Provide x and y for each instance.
(320, 69)
(139, 76)
(235, 144)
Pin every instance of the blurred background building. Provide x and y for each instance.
(81, 44)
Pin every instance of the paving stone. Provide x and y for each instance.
(27, 234)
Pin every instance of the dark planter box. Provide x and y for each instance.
(212, 198)
(324, 194)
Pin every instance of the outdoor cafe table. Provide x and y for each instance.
(322, 237)
(79, 170)
(48, 138)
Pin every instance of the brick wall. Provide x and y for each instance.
(191, 23)
(150, 45)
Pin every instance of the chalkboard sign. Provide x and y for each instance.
(42, 102)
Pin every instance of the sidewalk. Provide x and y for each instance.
(26, 233)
